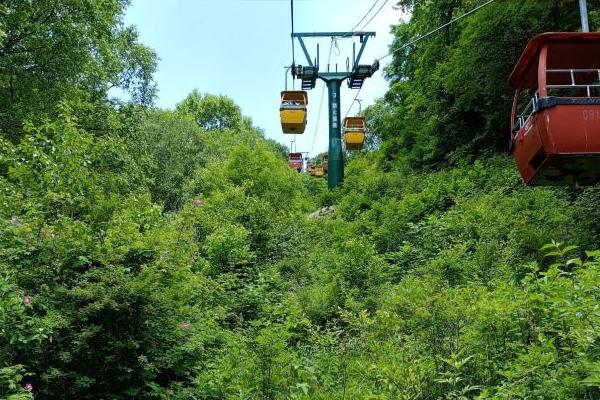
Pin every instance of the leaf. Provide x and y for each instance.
(304, 387)
(576, 261)
(569, 248)
(548, 246)
(553, 254)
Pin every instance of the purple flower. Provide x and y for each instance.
(29, 387)
(185, 326)
(198, 202)
(27, 300)
(14, 221)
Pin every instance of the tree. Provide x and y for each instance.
(449, 101)
(67, 50)
(212, 112)
(169, 146)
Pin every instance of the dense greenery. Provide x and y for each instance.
(74, 50)
(449, 99)
(169, 254)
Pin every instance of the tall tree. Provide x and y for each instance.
(212, 111)
(75, 51)
(449, 100)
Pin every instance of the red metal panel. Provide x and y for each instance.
(295, 161)
(560, 145)
(567, 50)
(528, 144)
(573, 128)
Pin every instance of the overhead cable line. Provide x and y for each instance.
(321, 102)
(312, 147)
(293, 65)
(362, 29)
(437, 29)
(374, 15)
(423, 37)
(292, 35)
(353, 101)
(363, 18)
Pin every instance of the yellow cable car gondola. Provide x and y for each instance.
(293, 111)
(354, 132)
(319, 173)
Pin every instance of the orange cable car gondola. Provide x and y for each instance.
(354, 132)
(555, 137)
(292, 111)
(311, 168)
(296, 161)
(319, 172)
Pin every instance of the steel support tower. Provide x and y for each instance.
(355, 76)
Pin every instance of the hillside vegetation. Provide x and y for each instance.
(167, 254)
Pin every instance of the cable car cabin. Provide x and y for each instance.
(354, 133)
(295, 161)
(319, 171)
(293, 111)
(325, 163)
(555, 136)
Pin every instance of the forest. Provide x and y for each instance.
(151, 253)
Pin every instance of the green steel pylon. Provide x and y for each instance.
(355, 75)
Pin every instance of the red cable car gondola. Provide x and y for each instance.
(296, 161)
(555, 136)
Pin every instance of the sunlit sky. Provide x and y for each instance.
(239, 48)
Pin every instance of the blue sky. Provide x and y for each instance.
(239, 48)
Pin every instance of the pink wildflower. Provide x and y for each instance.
(14, 221)
(198, 202)
(185, 326)
(27, 300)
(29, 387)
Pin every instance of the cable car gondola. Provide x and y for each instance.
(314, 169)
(319, 172)
(311, 169)
(555, 137)
(295, 161)
(293, 111)
(354, 132)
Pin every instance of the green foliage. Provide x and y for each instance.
(449, 101)
(254, 189)
(229, 248)
(10, 388)
(212, 112)
(170, 148)
(20, 330)
(163, 254)
(73, 50)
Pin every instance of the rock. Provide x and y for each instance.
(322, 212)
